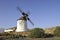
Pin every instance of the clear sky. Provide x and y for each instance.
(43, 13)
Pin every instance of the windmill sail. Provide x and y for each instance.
(30, 21)
(21, 11)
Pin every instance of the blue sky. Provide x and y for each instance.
(43, 13)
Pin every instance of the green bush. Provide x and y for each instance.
(36, 33)
(48, 35)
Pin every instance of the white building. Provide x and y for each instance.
(8, 30)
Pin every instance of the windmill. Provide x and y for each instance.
(22, 21)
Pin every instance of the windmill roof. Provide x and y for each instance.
(22, 18)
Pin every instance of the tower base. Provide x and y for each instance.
(21, 26)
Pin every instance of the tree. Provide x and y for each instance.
(36, 33)
(57, 31)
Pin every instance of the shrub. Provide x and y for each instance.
(49, 35)
(36, 33)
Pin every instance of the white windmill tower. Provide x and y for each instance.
(22, 22)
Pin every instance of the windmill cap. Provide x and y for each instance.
(22, 18)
